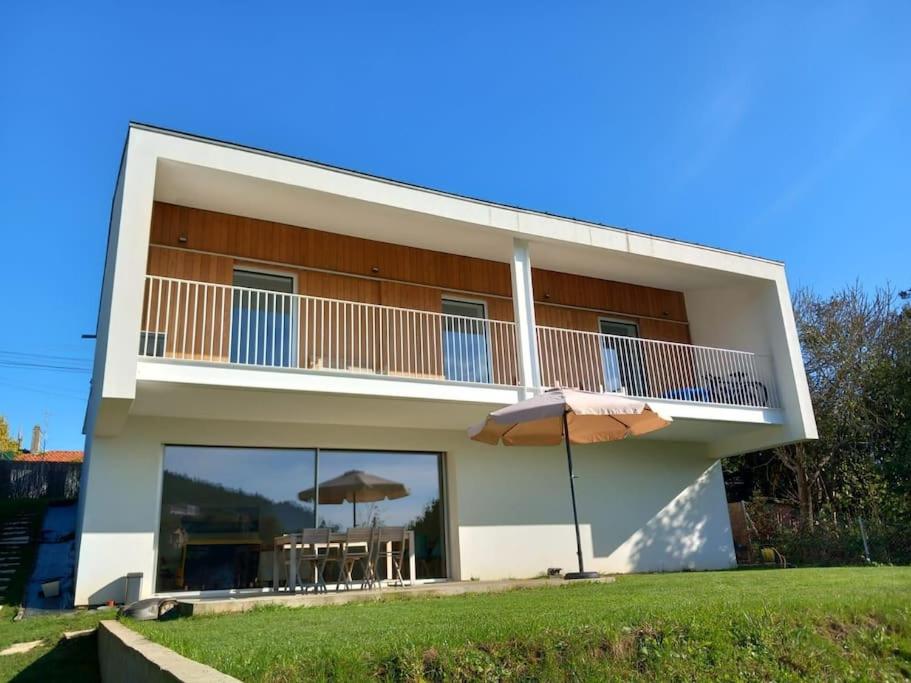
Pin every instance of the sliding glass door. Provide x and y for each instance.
(621, 358)
(263, 319)
(466, 348)
(222, 508)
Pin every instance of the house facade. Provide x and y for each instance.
(267, 323)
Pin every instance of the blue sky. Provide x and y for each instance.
(778, 129)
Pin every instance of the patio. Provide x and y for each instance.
(244, 603)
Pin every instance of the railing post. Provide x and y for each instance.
(523, 302)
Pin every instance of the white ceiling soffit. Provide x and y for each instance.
(243, 195)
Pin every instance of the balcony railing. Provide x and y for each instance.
(197, 321)
(651, 369)
(185, 320)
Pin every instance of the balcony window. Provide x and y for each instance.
(621, 360)
(466, 347)
(263, 319)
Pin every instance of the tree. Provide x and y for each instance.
(857, 352)
(9, 447)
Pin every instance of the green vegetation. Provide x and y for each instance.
(819, 624)
(857, 352)
(54, 659)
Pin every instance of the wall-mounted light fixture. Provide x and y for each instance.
(182, 238)
(375, 269)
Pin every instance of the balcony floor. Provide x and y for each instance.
(219, 392)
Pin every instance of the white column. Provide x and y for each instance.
(523, 302)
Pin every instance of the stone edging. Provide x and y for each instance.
(124, 655)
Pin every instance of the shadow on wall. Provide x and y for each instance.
(692, 531)
(115, 590)
(647, 506)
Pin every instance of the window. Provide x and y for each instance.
(263, 319)
(151, 344)
(621, 358)
(221, 509)
(420, 476)
(466, 356)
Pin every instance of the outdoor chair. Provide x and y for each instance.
(358, 549)
(315, 553)
(390, 547)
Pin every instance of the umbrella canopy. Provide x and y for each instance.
(570, 416)
(356, 486)
(590, 418)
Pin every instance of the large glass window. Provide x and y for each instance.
(413, 481)
(222, 508)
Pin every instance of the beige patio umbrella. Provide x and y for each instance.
(570, 416)
(355, 486)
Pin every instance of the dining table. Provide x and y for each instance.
(291, 542)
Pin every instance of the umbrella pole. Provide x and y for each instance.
(581, 574)
(354, 509)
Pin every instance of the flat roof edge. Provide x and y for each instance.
(485, 202)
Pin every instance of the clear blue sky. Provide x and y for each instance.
(780, 129)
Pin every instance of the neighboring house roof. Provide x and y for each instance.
(52, 456)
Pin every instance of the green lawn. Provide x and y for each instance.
(53, 660)
(822, 624)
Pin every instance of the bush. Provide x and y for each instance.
(830, 541)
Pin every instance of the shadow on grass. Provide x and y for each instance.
(68, 660)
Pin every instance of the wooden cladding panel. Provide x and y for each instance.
(568, 318)
(411, 278)
(664, 331)
(257, 239)
(188, 265)
(605, 295)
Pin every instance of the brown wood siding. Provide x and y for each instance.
(257, 239)
(407, 277)
(604, 295)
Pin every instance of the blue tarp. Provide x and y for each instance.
(55, 560)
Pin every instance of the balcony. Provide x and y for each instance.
(205, 323)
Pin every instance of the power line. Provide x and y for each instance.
(43, 357)
(21, 365)
(38, 390)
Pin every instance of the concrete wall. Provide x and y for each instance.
(644, 506)
(757, 316)
(124, 655)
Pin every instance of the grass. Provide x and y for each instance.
(54, 659)
(820, 624)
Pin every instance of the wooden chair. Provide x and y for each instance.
(315, 554)
(358, 549)
(390, 544)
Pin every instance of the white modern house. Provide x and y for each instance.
(267, 323)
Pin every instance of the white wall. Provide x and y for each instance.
(644, 506)
(757, 316)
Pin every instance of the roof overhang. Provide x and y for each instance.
(223, 177)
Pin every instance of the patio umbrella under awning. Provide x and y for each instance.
(570, 416)
(356, 486)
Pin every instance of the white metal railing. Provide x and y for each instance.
(199, 321)
(652, 369)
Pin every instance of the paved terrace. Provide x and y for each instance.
(199, 606)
